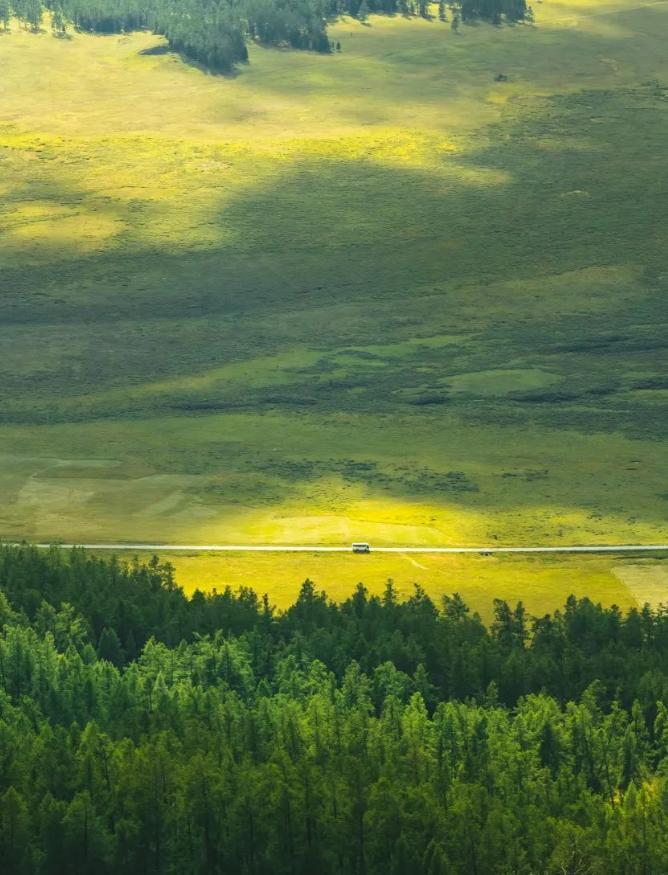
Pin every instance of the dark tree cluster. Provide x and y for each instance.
(145, 732)
(215, 33)
(28, 12)
(494, 11)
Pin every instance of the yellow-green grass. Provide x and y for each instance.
(542, 583)
(376, 295)
(255, 478)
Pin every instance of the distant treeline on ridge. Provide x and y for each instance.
(214, 33)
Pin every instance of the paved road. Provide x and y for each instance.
(288, 548)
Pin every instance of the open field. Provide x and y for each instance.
(541, 583)
(370, 296)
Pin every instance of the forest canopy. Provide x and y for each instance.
(142, 731)
(215, 33)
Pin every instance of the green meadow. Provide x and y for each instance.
(377, 295)
(542, 583)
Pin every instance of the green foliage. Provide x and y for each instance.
(109, 647)
(365, 738)
(214, 32)
(28, 12)
(58, 23)
(493, 10)
(5, 14)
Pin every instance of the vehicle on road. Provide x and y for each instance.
(361, 547)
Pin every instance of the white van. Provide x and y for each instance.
(361, 547)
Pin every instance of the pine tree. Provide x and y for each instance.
(58, 25)
(5, 14)
(34, 14)
(14, 832)
(109, 647)
(435, 860)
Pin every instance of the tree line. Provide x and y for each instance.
(215, 33)
(144, 731)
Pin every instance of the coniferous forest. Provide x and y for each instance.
(215, 33)
(142, 731)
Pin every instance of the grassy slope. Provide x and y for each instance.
(374, 295)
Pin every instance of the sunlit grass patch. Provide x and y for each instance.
(46, 235)
(542, 584)
(646, 581)
(243, 478)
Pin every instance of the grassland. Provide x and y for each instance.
(375, 295)
(542, 584)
